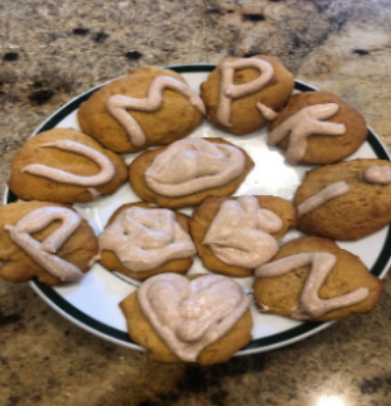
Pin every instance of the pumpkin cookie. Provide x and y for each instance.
(65, 166)
(345, 201)
(233, 90)
(141, 241)
(234, 235)
(189, 170)
(150, 106)
(313, 279)
(318, 128)
(209, 318)
(44, 240)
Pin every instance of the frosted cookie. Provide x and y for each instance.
(234, 235)
(345, 201)
(209, 318)
(44, 240)
(141, 241)
(150, 106)
(313, 279)
(234, 88)
(317, 128)
(189, 170)
(65, 166)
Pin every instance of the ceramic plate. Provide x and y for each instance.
(92, 303)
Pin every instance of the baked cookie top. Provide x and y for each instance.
(234, 88)
(189, 170)
(317, 128)
(65, 166)
(150, 106)
(44, 240)
(142, 240)
(345, 201)
(313, 279)
(234, 235)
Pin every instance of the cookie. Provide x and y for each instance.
(44, 240)
(318, 128)
(356, 207)
(143, 242)
(322, 271)
(164, 109)
(205, 215)
(188, 171)
(232, 106)
(196, 331)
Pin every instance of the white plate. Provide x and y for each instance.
(92, 303)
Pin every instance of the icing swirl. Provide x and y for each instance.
(190, 315)
(107, 170)
(117, 105)
(304, 123)
(239, 234)
(193, 165)
(143, 239)
(380, 175)
(229, 91)
(309, 305)
(44, 253)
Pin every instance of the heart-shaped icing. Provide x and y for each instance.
(44, 253)
(117, 105)
(239, 234)
(192, 165)
(190, 315)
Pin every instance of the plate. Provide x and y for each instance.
(92, 304)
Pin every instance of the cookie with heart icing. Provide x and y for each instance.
(345, 201)
(318, 128)
(234, 88)
(189, 170)
(312, 279)
(234, 235)
(209, 318)
(150, 106)
(141, 241)
(65, 166)
(44, 240)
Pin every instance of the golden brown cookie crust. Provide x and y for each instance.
(245, 117)
(180, 266)
(18, 266)
(31, 187)
(174, 120)
(326, 149)
(141, 331)
(203, 217)
(366, 208)
(281, 294)
(140, 165)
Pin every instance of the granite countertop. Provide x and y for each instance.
(50, 51)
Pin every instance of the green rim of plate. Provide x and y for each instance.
(275, 339)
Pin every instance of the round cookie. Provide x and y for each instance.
(175, 119)
(325, 149)
(28, 186)
(366, 208)
(245, 116)
(140, 165)
(141, 331)
(110, 260)
(204, 215)
(281, 294)
(79, 250)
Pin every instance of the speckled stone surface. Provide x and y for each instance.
(50, 51)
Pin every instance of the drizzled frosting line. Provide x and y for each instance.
(105, 174)
(44, 253)
(118, 105)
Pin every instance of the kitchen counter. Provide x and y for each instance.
(50, 51)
